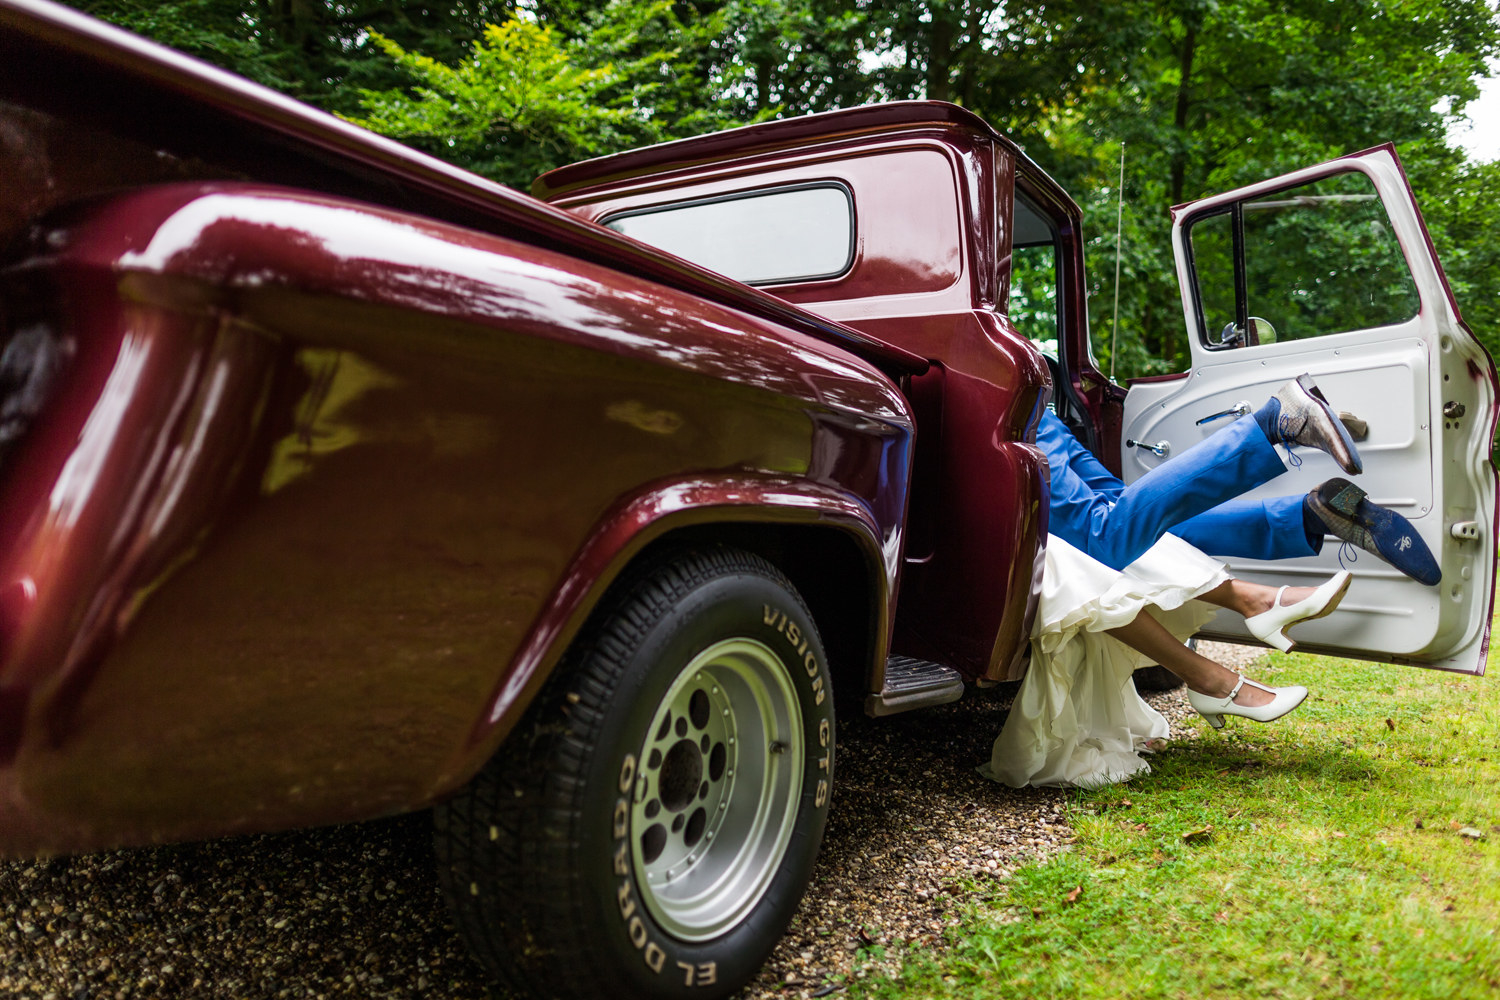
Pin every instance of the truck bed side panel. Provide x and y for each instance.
(309, 474)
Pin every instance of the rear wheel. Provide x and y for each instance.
(652, 830)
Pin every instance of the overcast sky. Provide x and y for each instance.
(1481, 135)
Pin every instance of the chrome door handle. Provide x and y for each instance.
(1159, 449)
(1239, 409)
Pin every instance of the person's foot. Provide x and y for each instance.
(1345, 512)
(1294, 605)
(1229, 686)
(1304, 417)
(1285, 597)
(1252, 695)
(1278, 702)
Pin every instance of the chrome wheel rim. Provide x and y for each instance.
(717, 789)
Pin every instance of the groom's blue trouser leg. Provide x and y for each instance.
(1116, 530)
(1252, 529)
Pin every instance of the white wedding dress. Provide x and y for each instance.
(1077, 719)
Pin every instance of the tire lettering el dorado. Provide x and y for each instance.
(651, 952)
(655, 831)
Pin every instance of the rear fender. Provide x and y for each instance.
(697, 510)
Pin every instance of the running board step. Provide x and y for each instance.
(913, 684)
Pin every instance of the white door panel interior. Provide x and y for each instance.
(1423, 385)
(1377, 379)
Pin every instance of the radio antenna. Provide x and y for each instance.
(1114, 324)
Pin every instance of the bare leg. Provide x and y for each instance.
(1200, 673)
(1249, 599)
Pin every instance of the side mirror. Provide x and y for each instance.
(1261, 331)
(1231, 336)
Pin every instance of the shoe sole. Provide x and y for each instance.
(1351, 503)
(1350, 462)
(1389, 523)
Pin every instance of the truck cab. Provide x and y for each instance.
(919, 225)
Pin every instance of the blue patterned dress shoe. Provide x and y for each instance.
(1343, 509)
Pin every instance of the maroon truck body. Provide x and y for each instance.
(329, 485)
(336, 482)
(929, 279)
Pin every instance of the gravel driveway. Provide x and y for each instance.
(354, 911)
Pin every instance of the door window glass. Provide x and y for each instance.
(1033, 294)
(759, 237)
(1317, 259)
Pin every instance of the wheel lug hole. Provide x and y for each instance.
(681, 774)
(653, 808)
(699, 709)
(695, 827)
(678, 822)
(703, 791)
(653, 842)
(654, 761)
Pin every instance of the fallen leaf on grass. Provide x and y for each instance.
(1194, 836)
(1221, 917)
(1340, 833)
(1454, 824)
(1072, 896)
(1390, 724)
(1418, 824)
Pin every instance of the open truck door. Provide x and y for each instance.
(1330, 271)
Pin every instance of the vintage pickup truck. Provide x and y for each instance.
(336, 482)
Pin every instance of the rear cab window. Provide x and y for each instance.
(798, 233)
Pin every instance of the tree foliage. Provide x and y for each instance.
(515, 103)
(1204, 95)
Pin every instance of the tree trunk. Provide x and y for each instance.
(939, 56)
(1184, 105)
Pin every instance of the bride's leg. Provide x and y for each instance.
(1200, 673)
(1250, 599)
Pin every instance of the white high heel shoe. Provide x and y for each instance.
(1270, 626)
(1214, 709)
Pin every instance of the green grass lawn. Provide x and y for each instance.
(1351, 849)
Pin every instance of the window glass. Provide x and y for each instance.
(1320, 258)
(1213, 259)
(759, 238)
(1033, 294)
